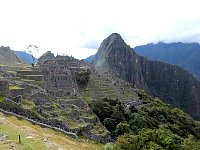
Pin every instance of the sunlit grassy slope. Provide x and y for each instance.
(34, 137)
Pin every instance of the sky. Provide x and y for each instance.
(77, 27)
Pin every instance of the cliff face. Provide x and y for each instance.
(8, 57)
(185, 55)
(171, 83)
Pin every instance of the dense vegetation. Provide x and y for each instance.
(82, 78)
(152, 125)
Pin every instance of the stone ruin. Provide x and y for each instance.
(3, 68)
(132, 102)
(58, 102)
(59, 76)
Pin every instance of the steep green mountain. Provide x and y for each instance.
(8, 57)
(135, 119)
(185, 55)
(171, 83)
(25, 57)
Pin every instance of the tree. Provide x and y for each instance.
(108, 146)
(122, 128)
(83, 77)
(127, 142)
(191, 143)
(102, 109)
(110, 124)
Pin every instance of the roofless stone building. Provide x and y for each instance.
(59, 74)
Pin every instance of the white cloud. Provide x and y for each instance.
(76, 27)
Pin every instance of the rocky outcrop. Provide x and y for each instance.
(46, 56)
(8, 57)
(171, 83)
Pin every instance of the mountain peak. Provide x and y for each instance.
(114, 38)
(113, 42)
(116, 57)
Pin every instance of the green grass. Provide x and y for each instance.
(87, 99)
(2, 65)
(40, 83)
(1, 98)
(91, 116)
(33, 75)
(12, 72)
(29, 81)
(24, 70)
(28, 103)
(34, 137)
(14, 87)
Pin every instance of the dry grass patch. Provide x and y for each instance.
(34, 137)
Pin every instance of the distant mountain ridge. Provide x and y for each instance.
(169, 82)
(185, 55)
(90, 58)
(26, 57)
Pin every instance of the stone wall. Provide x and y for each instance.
(59, 81)
(4, 87)
(33, 77)
(16, 92)
(3, 68)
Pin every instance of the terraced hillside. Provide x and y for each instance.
(104, 85)
(32, 94)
